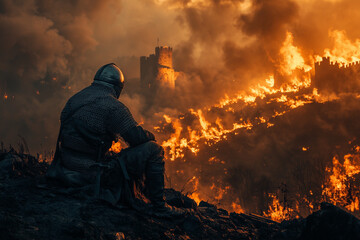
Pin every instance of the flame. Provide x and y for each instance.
(344, 51)
(5, 96)
(209, 132)
(199, 127)
(277, 212)
(206, 129)
(292, 58)
(237, 207)
(174, 144)
(195, 195)
(116, 147)
(339, 188)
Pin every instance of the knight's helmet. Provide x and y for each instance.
(110, 75)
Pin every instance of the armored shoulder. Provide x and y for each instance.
(120, 119)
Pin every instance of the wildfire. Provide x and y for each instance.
(341, 188)
(206, 127)
(198, 128)
(195, 195)
(292, 58)
(344, 51)
(277, 211)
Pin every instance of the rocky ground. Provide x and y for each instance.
(31, 210)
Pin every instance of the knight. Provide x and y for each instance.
(90, 121)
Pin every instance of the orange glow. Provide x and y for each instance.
(195, 195)
(167, 77)
(237, 208)
(5, 96)
(295, 90)
(116, 147)
(344, 51)
(277, 212)
(292, 58)
(338, 188)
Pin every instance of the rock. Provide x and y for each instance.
(207, 205)
(30, 210)
(331, 223)
(178, 200)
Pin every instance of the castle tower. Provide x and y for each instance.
(164, 55)
(156, 70)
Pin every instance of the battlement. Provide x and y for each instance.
(326, 62)
(333, 74)
(164, 56)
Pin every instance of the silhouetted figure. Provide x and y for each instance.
(90, 121)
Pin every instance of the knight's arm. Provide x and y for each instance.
(137, 135)
(121, 122)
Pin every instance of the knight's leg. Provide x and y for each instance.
(148, 159)
(154, 175)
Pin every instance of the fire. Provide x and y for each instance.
(5, 96)
(116, 147)
(195, 195)
(206, 127)
(188, 137)
(277, 211)
(174, 140)
(344, 51)
(237, 207)
(341, 188)
(292, 58)
(209, 132)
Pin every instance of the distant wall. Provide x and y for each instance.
(330, 76)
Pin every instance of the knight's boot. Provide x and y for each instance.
(155, 185)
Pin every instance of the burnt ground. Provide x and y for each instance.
(30, 209)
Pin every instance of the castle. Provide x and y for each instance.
(330, 75)
(156, 70)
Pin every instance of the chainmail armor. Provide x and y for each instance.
(94, 114)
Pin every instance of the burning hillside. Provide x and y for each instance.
(280, 148)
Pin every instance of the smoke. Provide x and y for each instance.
(221, 59)
(51, 49)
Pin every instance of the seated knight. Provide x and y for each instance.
(90, 121)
